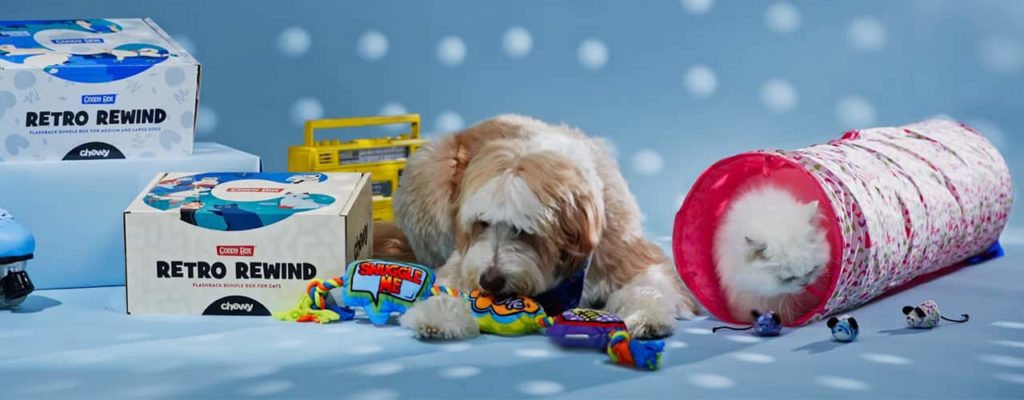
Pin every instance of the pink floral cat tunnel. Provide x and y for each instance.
(897, 203)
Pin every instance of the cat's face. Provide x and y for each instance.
(788, 256)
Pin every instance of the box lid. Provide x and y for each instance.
(234, 201)
(89, 50)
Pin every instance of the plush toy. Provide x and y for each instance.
(844, 329)
(582, 327)
(642, 354)
(765, 324)
(383, 287)
(927, 315)
(516, 315)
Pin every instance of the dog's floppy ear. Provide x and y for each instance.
(832, 322)
(581, 225)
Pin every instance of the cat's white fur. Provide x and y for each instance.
(768, 248)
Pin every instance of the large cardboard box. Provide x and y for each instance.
(241, 243)
(74, 209)
(88, 89)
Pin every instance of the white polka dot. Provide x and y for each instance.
(372, 46)
(150, 390)
(1002, 54)
(1008, 324)
(1002, 361)
(289, 344)
(1012, 378)
(782, 17)
(540, 388)
(517, 42)
(1011, 236)
(206, 122)
(647, 162)
(1009, 343)
(451, 51)
(267, 388)
(837, 382)
(886, 359)
(186, 43)
(866, 33)
(697, 331)
(533, 353)
(990, 130)
(711, 381)
(700, 81)
(375, 394)
(592, 54)
(365, 349)
(460, 372)
(697, 7)
(744, 338)
(393, 109)
(456, 347)
(754, 358)
(778, 95)
(677, 344)
(306, 108)
(293, 41)
(855, 112)
(381, 369)
(448, 122)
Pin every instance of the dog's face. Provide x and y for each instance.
(527, 218)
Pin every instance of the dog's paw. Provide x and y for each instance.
(643, 325)
(441, 318)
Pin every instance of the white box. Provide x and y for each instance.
(94, 89)
(241, 243)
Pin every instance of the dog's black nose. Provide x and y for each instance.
(492, 280)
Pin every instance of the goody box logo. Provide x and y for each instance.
(99, 99)
(77, 41)
(236, 250)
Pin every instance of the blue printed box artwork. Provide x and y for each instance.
(89, 89)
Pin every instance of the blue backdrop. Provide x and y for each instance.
(675, 85)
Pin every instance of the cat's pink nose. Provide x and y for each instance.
(492, 280)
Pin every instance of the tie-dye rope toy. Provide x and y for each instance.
(314, 307)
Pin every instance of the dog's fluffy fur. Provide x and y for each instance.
(768, 248)
(516, 205)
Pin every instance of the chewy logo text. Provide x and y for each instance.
(236, 251)
(391, 276)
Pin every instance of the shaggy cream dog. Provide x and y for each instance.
(514, 205)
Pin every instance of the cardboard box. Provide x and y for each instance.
(74, 209)
(241, 244)
(90, 89)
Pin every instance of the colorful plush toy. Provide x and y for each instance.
(927, 315)
(582, 327)
(642, 354)
(844, 329)
(765, 324)
(383, 287)
(516, 315)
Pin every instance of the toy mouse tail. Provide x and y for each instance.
(964, 317)
(717, 328)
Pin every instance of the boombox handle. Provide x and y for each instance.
(314, 124)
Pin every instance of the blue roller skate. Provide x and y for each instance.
(16, 248)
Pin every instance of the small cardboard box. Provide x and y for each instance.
(85, 89)
(241, 243)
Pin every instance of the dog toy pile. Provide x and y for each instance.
(588, 328)
(765, 324)
(897, 204)
(927, 315)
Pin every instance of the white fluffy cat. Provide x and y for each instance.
(768, 248)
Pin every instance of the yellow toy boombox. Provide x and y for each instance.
(384, 158)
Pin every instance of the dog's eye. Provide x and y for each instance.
(481, 225)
